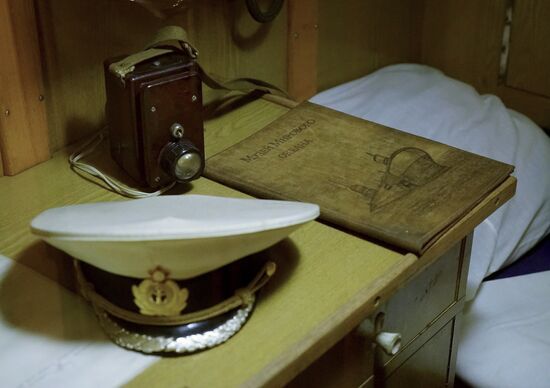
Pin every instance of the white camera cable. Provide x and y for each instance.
(114, 185)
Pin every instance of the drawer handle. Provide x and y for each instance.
(389, 342)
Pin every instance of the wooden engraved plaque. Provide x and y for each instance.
(399, 188)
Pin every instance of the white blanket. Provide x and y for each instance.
(505, 341)
(49, 337)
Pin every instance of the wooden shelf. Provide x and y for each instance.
(328, 282)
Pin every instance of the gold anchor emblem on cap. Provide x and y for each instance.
(160, 296)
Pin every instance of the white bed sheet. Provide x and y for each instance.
(423, 101)
(49, 337)
(505, 339)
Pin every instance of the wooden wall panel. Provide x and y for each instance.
(463, 38)
(232, 44)
(78, 35)
(23, 128)
(357, 37)
(529, 45)
(536, 107)
(303, 29)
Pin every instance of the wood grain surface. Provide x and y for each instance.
(357, 37)
(464, 39)
(23, 126)
(303, 26)
(529, 45)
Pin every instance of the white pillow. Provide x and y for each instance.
(423, 101)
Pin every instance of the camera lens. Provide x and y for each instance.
(182, 160)
(187, 166)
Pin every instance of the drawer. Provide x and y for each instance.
(347, 364)
(413, 311)
(428, 366)
(429, 294)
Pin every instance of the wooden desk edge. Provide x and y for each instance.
(498, 197)
(285, 367)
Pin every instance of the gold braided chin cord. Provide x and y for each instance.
(242, 297)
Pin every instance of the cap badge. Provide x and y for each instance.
(160, 296)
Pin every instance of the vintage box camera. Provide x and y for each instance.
(154, 115)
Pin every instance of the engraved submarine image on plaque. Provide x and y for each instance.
(406, 169)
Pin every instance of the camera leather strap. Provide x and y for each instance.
(171, 39)
(174, 39)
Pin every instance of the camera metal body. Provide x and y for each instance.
(154, 115)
